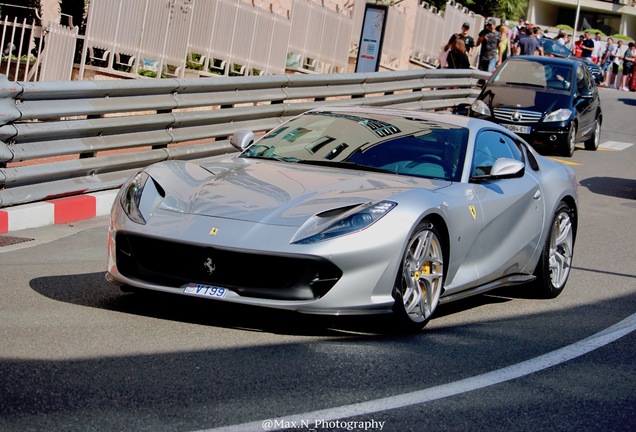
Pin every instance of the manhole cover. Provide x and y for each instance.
(8, 240)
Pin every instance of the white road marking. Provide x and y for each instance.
(615, 145)
(498, 376)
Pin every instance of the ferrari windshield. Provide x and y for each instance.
(534, 74)
(376, 142)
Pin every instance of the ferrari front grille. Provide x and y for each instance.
(516, 115)
(175, 264)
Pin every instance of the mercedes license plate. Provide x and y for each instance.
(518, 129)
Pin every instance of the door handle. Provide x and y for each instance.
(537, 194)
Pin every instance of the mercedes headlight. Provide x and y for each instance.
(559, 115)
(324, 226)
(480, 107)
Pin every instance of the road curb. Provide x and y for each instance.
(57, 211)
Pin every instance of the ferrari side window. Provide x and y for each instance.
(489, 146)
(515, 151)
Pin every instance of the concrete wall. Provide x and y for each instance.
(545, 12)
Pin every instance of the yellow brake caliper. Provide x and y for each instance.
(424, 270)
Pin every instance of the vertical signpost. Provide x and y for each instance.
(576, 24)
(371, 38)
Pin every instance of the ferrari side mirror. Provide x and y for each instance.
(242, 139)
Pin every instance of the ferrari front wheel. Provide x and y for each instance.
(420, 279)
(554, 265)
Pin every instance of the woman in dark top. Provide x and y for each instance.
(457, 57)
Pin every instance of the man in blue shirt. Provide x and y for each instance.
(529, 45)
(588, 46)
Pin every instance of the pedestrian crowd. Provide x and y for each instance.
(496, 43)
(617, 64)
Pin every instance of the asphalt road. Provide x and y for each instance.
(78, 355)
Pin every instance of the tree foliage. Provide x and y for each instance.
(511, 9)
(504, 9)
(29, 9)
(76, 9)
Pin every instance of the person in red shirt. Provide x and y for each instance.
(578, 46)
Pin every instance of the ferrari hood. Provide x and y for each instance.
(531, 99)
(275, 193)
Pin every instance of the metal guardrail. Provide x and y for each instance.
(61, 138)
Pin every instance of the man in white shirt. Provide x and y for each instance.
(617, 62)
(598, 49)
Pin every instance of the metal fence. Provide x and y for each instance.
(59, 53)
(394, 38)
(18, 40)
(226, 37)
(59, 138)
(317, 35)
(433, 29)
(193, 38)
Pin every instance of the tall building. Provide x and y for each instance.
(610, 16)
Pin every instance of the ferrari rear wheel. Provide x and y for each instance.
(420, 280)
(554, 266)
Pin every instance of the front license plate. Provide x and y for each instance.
(518, 129)
(205, 290)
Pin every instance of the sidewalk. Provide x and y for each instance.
(57, 211)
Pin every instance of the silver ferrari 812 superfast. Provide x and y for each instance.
(351, 210)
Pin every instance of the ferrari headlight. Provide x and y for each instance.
(140, 196)
(480, 107)
(130, 197)
(559, 115)
(354, 220)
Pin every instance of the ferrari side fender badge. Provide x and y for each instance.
(473, 211)
(214, 231)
